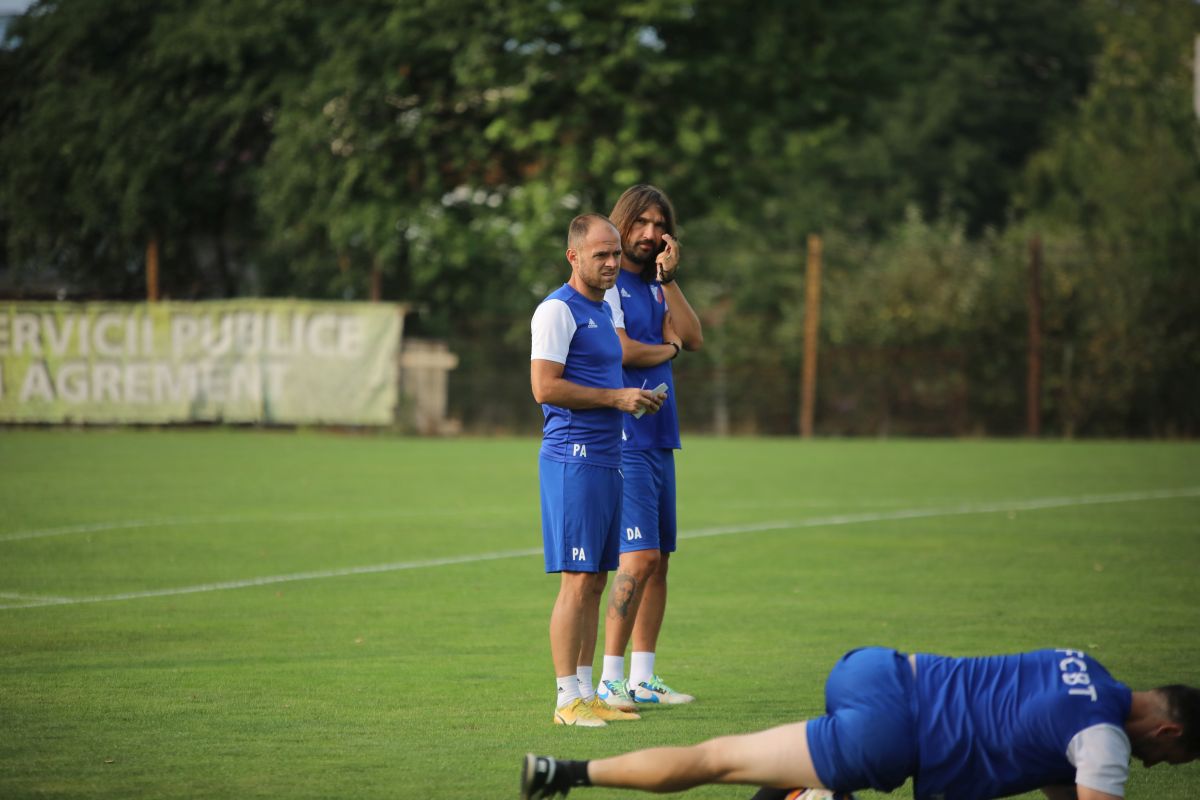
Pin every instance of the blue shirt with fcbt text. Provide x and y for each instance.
(997, 726)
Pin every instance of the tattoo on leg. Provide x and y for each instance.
(621, 596)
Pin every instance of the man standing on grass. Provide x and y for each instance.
(655, 322)
(575, 373)
(962, 728)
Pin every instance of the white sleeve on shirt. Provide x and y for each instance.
(613, 298)
(1100, 755)
(553, 327)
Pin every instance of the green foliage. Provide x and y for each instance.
(969, 94)
(936, 303)
(125, 125)
(290, 148)
(449, 157)
(1118, 191)
(311, 145)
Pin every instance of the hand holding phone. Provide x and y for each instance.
(668, 260)
(660, 389)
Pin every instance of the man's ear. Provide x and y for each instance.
(572, 256)
(1168, 730)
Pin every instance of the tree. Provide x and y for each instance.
(448, 143)
(1118, 194)
(124, 123)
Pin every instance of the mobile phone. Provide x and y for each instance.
(660, 389)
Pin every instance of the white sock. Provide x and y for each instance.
(614, 668)
(641, 667)
(586, 690)
(568, 689)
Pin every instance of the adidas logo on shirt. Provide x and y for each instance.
(625, 293)
(592, 323)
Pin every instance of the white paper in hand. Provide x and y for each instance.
(660, 389)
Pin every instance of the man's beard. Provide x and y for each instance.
(647, 260)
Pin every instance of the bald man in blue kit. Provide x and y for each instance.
(575, 374)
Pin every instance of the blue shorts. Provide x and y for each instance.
(581, 516)
(648, 518)
(867, 738)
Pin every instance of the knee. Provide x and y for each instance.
(641, 565)
(582, 586)
(596, 587)
(714, 758)
(656, 574)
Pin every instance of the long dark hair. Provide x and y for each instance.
(632, 203)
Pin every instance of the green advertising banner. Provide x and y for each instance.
(268, 361)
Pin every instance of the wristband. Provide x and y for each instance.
(676, 349)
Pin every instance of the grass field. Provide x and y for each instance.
(247, 614)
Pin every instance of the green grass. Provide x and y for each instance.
(432, 681)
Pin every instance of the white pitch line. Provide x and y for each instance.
(224, 519)
(813, 522)
(33, 598)
(270, 579)
(100, 526)
(949, 511)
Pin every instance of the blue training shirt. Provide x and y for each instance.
(1002, 725)
(578, 333)
(639, 307)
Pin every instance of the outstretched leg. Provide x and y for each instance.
(777, 757)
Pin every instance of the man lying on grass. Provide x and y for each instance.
(962, 728)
